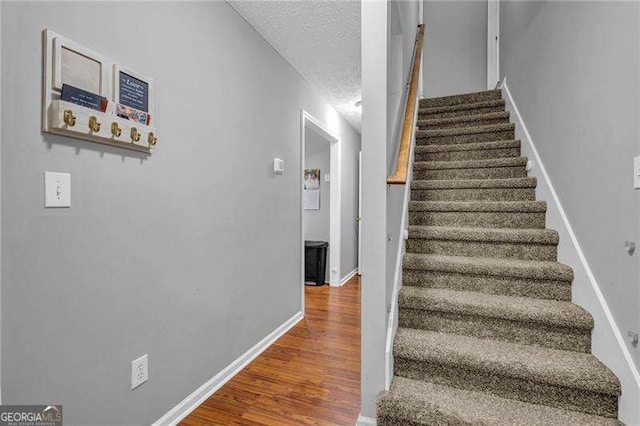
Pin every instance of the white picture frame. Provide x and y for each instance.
(62, 44)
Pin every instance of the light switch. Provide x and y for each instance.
(636, 172)
(57, 189)
(278, 166)
(327, 178)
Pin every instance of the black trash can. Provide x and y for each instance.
(315, 261)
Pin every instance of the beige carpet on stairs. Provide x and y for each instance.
(487, 332)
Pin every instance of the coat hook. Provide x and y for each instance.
(152, 139)
(115, 129)
(135, 136)
(630, 246)
(69, 118)
(94, 125)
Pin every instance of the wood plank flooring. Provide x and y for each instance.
(310, 376)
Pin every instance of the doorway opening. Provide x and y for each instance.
(493, 44)
(313, 131)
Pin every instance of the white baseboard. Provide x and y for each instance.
(365, 421)
(347, 277)
(608, 343)
(191, 402)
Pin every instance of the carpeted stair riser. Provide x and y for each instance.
(478, 219)
(426, 125)
(482, 194)
(507, 387)
(479, 154)
(569, 380)
(423, 139)
(461, 110)
(473, 173)
(522, 189)
(525, 251)
(482, 242)
(464, 108)
(413, 403)
(461, 99)
(479, 214)
(551, 324)
(497, 329)
(468, 151)
(507, 286)
(501, 117)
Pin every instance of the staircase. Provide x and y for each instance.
(487, 332)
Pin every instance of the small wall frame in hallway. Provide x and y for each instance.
(307, 121)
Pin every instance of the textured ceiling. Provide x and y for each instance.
(320, 39)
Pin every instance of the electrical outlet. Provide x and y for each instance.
(139, 371)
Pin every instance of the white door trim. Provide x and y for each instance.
(493, 43)
(335, 195)
(360, 213)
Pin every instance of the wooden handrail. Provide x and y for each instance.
(402, 166)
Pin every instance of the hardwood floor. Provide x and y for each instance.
(310, 376)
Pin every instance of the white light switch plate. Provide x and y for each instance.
(636, 172)
(327, 178)
(57, 189)
(139, 371)
(278, 166)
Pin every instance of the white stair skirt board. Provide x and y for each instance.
(198, 396)
(365, 421)
(392, 323)
(608, 343)
(347, 277)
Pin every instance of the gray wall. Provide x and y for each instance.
(455, 47)
(402, 27)
(405, 16)
(191, 255)
(573, 68)
(349, 202)
(379, 24)
(316, 222)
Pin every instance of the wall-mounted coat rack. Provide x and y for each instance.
(89, 96)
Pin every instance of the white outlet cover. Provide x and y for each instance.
(139, 371)
(636, 172)
(57, 190)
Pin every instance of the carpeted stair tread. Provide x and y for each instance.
(476, 146)
(574, 370)
(471, 164)
(459, 131)
(522, 309)
(502, 267)
(461, 108)
(479, 206)
(463, 119)
(524, 182)
(501, 235)
(412, 403)
(461, 99)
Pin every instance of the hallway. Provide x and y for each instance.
(311, 375)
